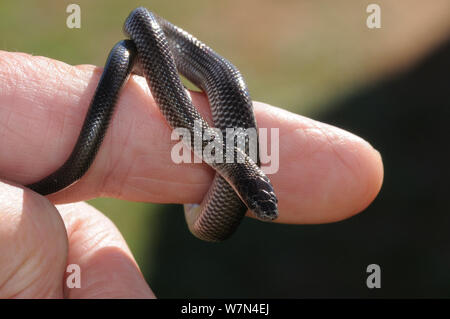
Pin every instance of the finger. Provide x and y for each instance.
(325, 174)
(33, 245)
(108, 269)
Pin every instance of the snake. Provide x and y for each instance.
(160, 51)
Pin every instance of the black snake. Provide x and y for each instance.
(159, 50)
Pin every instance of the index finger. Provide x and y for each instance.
(325, 173)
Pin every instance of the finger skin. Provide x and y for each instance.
(326, 174)
(108, 269)
(33, 245)
(35, 237)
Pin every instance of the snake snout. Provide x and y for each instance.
(263, 203)
(267, 209)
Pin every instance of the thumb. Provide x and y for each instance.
(108, 268)
(33, 245)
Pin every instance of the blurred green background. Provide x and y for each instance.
(315, 58)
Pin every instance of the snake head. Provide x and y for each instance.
(261, 199)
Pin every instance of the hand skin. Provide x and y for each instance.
(325, 175)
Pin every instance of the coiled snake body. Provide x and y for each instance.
(158, 50)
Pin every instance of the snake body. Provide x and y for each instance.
(159, 50)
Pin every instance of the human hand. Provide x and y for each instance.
(326, 174)
(38, 241)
